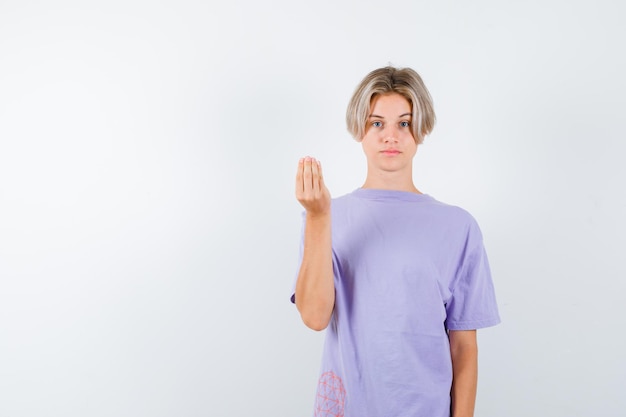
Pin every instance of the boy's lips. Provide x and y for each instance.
(390, 151)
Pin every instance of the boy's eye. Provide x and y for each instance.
(377, 124)
(405, 124)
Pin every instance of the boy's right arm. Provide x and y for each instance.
(315, 287)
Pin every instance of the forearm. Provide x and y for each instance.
(315, 288)
(464, 352)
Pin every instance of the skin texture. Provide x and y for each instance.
(464, 353)
(389, 129)
(389, 148)
(315, 287)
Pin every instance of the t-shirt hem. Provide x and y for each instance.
(473, 325)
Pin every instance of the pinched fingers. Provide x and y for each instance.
(307, 175)
(310, 189)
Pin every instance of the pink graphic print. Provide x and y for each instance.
(331, 396)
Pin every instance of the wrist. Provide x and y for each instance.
(318, 216)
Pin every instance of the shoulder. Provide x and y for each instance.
(408, 203)
(456, 220)
(455, 213)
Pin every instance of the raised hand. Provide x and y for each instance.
(315, 288)
(311, 191)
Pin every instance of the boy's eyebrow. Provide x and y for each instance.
(381, 117)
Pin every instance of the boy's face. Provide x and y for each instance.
(388, 142)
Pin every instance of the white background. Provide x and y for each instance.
(149, 232)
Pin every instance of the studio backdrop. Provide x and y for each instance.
(149, 230)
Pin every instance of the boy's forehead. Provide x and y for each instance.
(391, 105)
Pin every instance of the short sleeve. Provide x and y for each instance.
(472, 304)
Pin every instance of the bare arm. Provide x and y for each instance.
(464, 352)
(315, 287)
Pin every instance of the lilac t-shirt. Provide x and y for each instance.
(407, 269)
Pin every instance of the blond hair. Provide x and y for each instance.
(387, 80)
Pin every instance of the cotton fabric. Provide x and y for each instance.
(407, 269)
